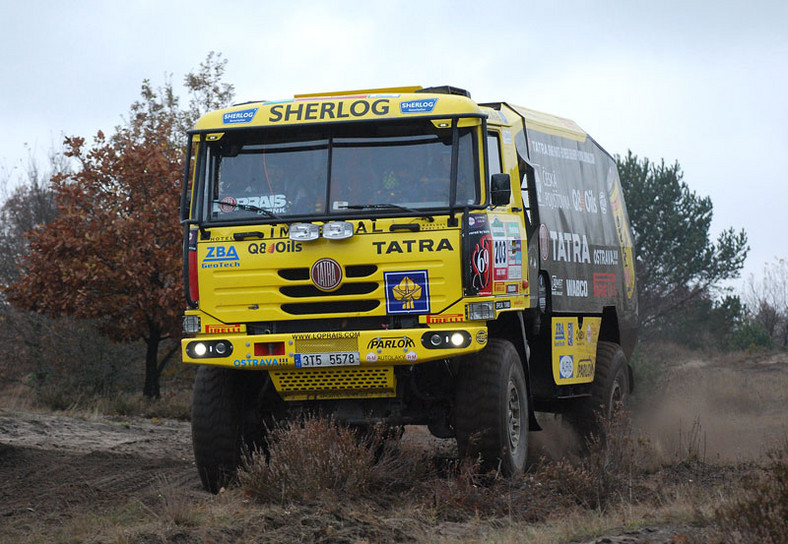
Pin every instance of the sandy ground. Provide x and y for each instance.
(55, 467)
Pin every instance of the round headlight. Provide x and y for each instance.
(200, 349)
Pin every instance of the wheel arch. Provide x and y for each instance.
(611, 332)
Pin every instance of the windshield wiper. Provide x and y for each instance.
(386, 207)
(249, 208)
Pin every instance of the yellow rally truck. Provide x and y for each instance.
(402, 256)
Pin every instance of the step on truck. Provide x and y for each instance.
(402, 256)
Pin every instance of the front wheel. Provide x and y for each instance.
(226, 417)
(491, 408)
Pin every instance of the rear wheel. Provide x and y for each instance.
(609, 391)
(491, 408)
(226, 417)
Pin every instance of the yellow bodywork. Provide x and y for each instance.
(265, 278)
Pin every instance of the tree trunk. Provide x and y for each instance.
(151, 388)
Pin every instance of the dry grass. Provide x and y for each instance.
(318, 457)
(760, 512)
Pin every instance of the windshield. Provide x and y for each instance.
(339, 171)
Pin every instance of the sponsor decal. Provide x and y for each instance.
(326, 274)
(411, 356)
(480, 264)
(503, 304)
(418, 106)
(570, 334)
(576, 288)
(569, 247)
(391, 342)
(548, 193)
(285, 246)
(544, 241)
(320, 111)
(411, 246)
(497, 228)
(221, 257)
(566, 366)
(559, 337)
(326, 335)
(265, 361)
(239, 117)
(584, 201)
(223, 329)
(585, 368)
(445, 318)
(560, 152)
(602, 203)
(407, 292)
(481, 337)
(363, 227)
(557, 286)
(227, 204)
(605, 285)
(515, 259)
(372, 357)
(272, 203)
(606, 257)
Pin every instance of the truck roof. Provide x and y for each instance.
(550, 124)
(369, 104)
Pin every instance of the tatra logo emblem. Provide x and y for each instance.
(326, 274)
(408, 292)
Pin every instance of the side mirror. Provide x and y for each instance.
(500, 189)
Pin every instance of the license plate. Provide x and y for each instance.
(321, 360)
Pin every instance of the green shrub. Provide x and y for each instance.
(750, 337)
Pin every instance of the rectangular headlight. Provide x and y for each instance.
(478, 311)
(337, 230)
(304, 232)
(191, 324)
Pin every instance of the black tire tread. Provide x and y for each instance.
(216, 436)
(584, 414)
(477, 412)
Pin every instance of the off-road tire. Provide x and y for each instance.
(609, 391)
(491, 408)
(226, 417)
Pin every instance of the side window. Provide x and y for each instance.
(493, 153)
(527, 188)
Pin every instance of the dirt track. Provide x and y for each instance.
(56, 468)
(53, 466)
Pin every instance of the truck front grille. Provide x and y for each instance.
(335, 383)
(346, 306)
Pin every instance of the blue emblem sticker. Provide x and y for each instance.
(237, 117)
(566, 366)
(418, 106)
(407, 292)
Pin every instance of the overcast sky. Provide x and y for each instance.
(701, 83)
